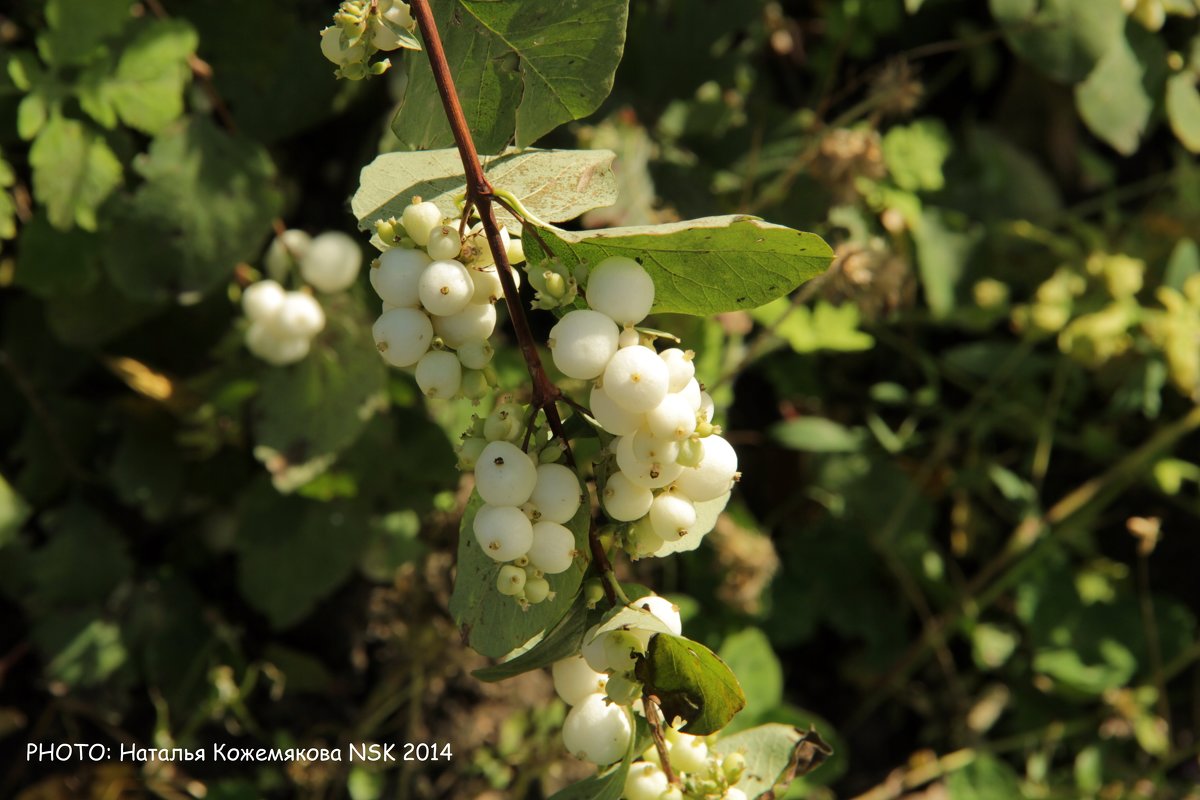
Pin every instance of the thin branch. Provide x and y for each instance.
(650, 703)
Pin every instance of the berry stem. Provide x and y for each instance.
(481, 196)
(650, 702)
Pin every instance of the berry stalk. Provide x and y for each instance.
(480, 195)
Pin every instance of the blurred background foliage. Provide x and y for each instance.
(965, 547)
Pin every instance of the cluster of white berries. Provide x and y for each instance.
(439, 291)
(526, 506)
(362, 29)
(600, 686)
(283, 323)
(673, 470)
(701, 771)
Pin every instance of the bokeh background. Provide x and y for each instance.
(966, 543)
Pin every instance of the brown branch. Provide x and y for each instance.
(650, 703)
(482, 198)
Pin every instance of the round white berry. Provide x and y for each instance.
(444, 243)
(648, 447)
(662, 608)
(612, 417)
(503, 532)
(273, 347)
(557, 495)
(473, 323)
(672, 514)
(582, 343)
(439, 374)
(680, 366)
(734, 793)
(419, 221)
(299, 315)
(597, 731)
(688, 753)
(396, 274)
(516, 251)
(592, 650)
(646, 781)
(403, 336)
(707, 514)
(649, 474)
(331, 262)
(445, 288)
(705, 407)
(636, 378)
(715, 475)
(261, 301)
(574, 679)
(629, 337)
(624, 500)
(504, 474)
(476, 248)
(553, 548)
(286, 250)
(536, 590)
(673, 419)
(488, 288)
(475, 354)
(620, 288)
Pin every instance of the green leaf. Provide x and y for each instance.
(822, 327)
(1183, 109)
(146, 88)
(51, 262)
(1183, 263)
(493, 624)
(692, 683)
(32, 113)
(293, 553)
(768, 750)
(1063, 38)
(985, 778)
(701, 266)
(561, 641)
(942, 255)
(78, 27)
(554, 185)
(817, 435)
(749, 654)
(522, 69)
(82, 563)
(1113, 101)
(307, 412)
(74, 170)
(80, 647)
(915, 153)
(206, 204)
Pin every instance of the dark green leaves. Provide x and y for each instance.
(691, 682)
(207, 200)
(493, 624)
(702, 266)
(77, 28)
(522, 69)
(561, 641)
(1064, 38)
(144, 87)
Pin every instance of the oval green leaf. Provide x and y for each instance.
(701, 266)
(691, 682)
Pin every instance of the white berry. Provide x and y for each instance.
(510, 580)
(649, 474)
(662, 608)
(612, 417)
(624, 500)
(419, 221)
(439, 374)
(285, 250)
(553, 548)
(557, 495)
(488, 288)
(597, 731)
(636, 378)
(679, 366)
(673, 419)
(445, 288)
(672, 514)
(396, 275)
(646, 781)
(473, 323)
(504, 474)
(403, 336)
(582, 343)
(299, 315)
(331, 262)
(715, 475)
(262, 300)
(574, 679)
(503, 532)
(475, 354)
(444, 243)
(622, 289)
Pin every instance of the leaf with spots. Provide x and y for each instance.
(700, 266)
(691, 682)
(522, 69)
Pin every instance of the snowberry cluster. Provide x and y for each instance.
(526, 505)
(439, 291)
(600, 686)
(360, 30)
(283, 323)
(673, 470)
(701, 772)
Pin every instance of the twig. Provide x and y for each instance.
(481, 195)
(650, 703)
